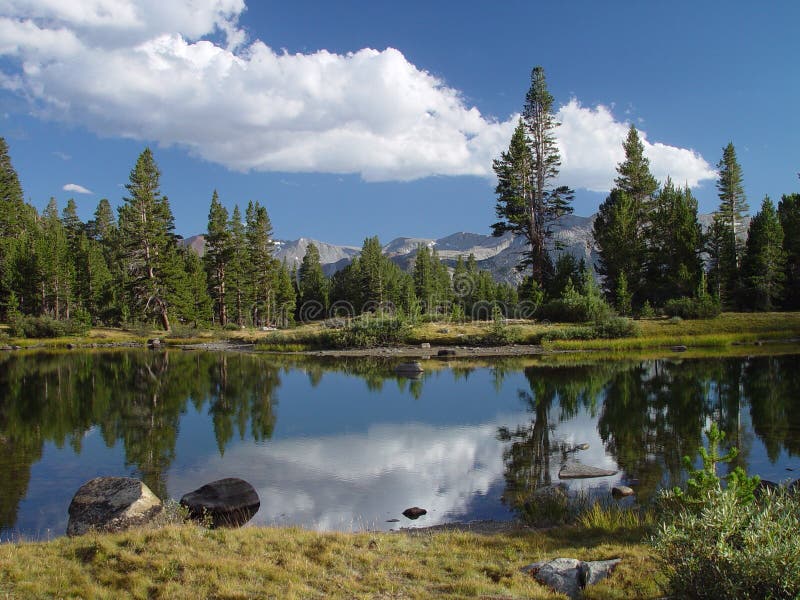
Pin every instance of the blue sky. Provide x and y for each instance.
(351, 119)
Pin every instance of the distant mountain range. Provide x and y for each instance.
(498, 255)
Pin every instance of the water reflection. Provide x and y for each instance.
(351, 444)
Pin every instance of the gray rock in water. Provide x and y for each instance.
(621, 491)
(415, 512)
(679, 348)
(569, 576)
(229, 502)
(111, 504)
(575, 470)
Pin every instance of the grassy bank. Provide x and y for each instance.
(720, 333)
(255, 562)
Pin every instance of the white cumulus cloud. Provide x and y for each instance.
(78, 189)
(180, 73)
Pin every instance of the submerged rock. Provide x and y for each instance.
(229, 502)
(569, 576)
(415, 512)
(621, 491)
(111, 504)
(575, 470)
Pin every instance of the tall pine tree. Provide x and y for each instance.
(764, 261)
(218, 252)
(789, 215)
(730, 227)
(147, 243)
(528, 201)
(312, 285)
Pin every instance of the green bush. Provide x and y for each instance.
(731, 550)
(366, 332)
(231, 326)
(704, 307)
(617, 327)
(46, 327)
(578, 305)
(721, 542)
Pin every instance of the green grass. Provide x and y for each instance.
(183, 561)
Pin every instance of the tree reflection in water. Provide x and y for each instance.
(650, 415)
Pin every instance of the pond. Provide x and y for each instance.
(346, 444)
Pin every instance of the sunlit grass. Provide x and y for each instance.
(256, 562)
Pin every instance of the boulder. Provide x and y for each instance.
(415, 512)
(425, 345)
(111, 504)
(229, 502)
(621, 491)
(575, 470)
(445, 352)
(569, 576)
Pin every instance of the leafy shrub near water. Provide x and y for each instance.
(703, 307)
(366, 332)
(609, 328)
(723, 542)
(46, 327)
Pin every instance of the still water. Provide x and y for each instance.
(346, 444)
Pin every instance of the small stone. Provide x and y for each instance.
(622, 491)
(415, 512)
(575, 470)
(392, 520)
(111, 504)
(583, 446)
(446, 352)
(70, 346)
(425, 345)
(679, 348)
(229, 502)
(153, 343)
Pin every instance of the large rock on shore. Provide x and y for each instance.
(229, 502)
(111, 504)
(570, 576)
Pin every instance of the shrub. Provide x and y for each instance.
(46, 327)
(231, 326)
(578, 305)
(720, 542)
(703, 307)
(368, 332)
(617, 327)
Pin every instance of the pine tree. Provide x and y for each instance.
(312, 284)
(675, 242)
(634, 177)
(13, 215)
(12, 205)
(621, 227)
(218, 251)
(285, 297)
(789, 215)
(56, 273)
(239, 283)
(732, 208)
(528, 202)
(147, 243)
(262, 266)
(764, 261)
(620, 243)
(198, 305)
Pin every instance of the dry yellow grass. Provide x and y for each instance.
(191, 562)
